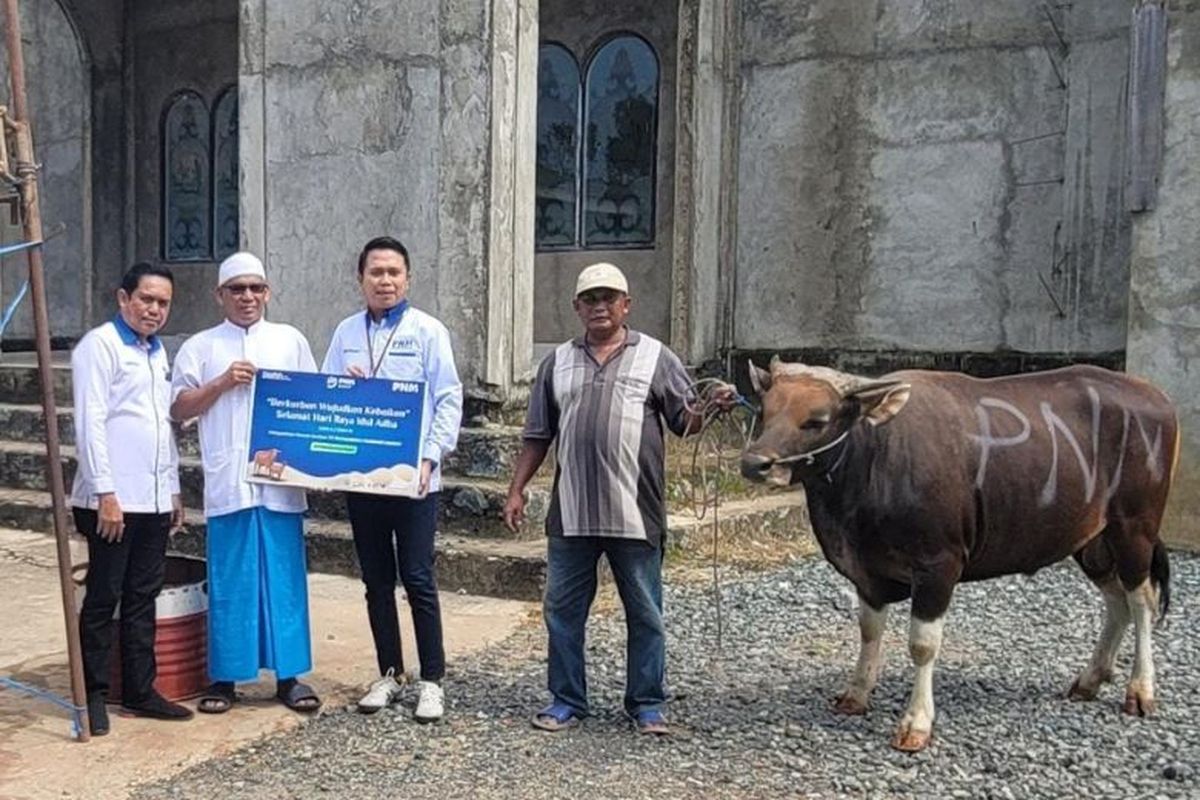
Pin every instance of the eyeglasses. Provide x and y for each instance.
(256, 289)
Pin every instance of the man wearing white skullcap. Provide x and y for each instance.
(257, 577)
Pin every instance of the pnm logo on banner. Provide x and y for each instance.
(334, 382)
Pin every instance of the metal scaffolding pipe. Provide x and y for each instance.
(26, 172)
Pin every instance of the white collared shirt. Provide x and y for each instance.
(123, 438)
(407, 344)
(225, 426)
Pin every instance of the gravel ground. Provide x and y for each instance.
(753, 718)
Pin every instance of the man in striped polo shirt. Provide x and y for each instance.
(605, 397)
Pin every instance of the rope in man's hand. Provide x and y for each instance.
(727, 427)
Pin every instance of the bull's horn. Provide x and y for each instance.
(760, 378)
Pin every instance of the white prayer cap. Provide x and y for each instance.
(239, 265)
(601, 276)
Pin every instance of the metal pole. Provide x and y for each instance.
(27, 172)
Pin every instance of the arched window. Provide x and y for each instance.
(186, 210)
(621, 122)
(595, 185)
(225, 231)
(556, 222)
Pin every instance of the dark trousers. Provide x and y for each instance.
(130, 573)
(394, 535)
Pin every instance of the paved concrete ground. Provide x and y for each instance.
(39, 760)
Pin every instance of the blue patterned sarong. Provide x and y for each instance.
(257, 595)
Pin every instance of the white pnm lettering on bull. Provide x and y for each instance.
(1055, 425)
(1050, 489)
(1153, 462)
(985, 438)
(1115, 482)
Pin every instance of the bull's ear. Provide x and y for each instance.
(760, 379)
(881, 400)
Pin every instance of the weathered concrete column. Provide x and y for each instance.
(513, 165)
(705, 178)
(359, 120)
(252, 125)
(1164, 315)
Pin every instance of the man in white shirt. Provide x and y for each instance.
(393, 340)
(257, 575)
(125, 496)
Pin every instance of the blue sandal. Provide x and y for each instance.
(555, 717)
(653, 722)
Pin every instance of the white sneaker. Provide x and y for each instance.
(431, 703)
(383, 692)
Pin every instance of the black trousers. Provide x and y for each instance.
(130, 573)
(394, 536)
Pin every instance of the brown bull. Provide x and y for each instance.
(920, 480)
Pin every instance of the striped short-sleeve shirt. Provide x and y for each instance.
(608, 422)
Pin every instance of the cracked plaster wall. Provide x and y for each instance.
(373, 120)
(932, 175)
(57, 81)
(1164, 306)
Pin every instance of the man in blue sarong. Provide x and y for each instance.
(257, 576)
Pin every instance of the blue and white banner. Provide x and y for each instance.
(336, 432)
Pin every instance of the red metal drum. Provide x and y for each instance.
(181, 632)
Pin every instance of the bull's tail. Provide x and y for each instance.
(1160, 565)
(1160, 578)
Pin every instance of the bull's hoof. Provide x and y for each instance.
(849, 705)
(907, 740)
(1138, 706)
(1080, 692)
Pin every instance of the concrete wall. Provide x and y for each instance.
(365, 119)
(101, 26)
(58, 85)
(1164, 315)
(923, 175)
(582, 25)
(174, 45)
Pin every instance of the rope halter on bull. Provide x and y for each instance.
(711, 459)
(809, 457)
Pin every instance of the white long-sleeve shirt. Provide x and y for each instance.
(225, 426)
(406, 344)
(123, 438)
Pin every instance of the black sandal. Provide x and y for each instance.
(217, 699)
(298, 696)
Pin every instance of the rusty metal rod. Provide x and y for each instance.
(27, 173)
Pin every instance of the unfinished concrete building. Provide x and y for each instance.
(869, 183)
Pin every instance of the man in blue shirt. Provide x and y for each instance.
(393, 340)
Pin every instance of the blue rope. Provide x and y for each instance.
(42, 694)
(739, 400)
